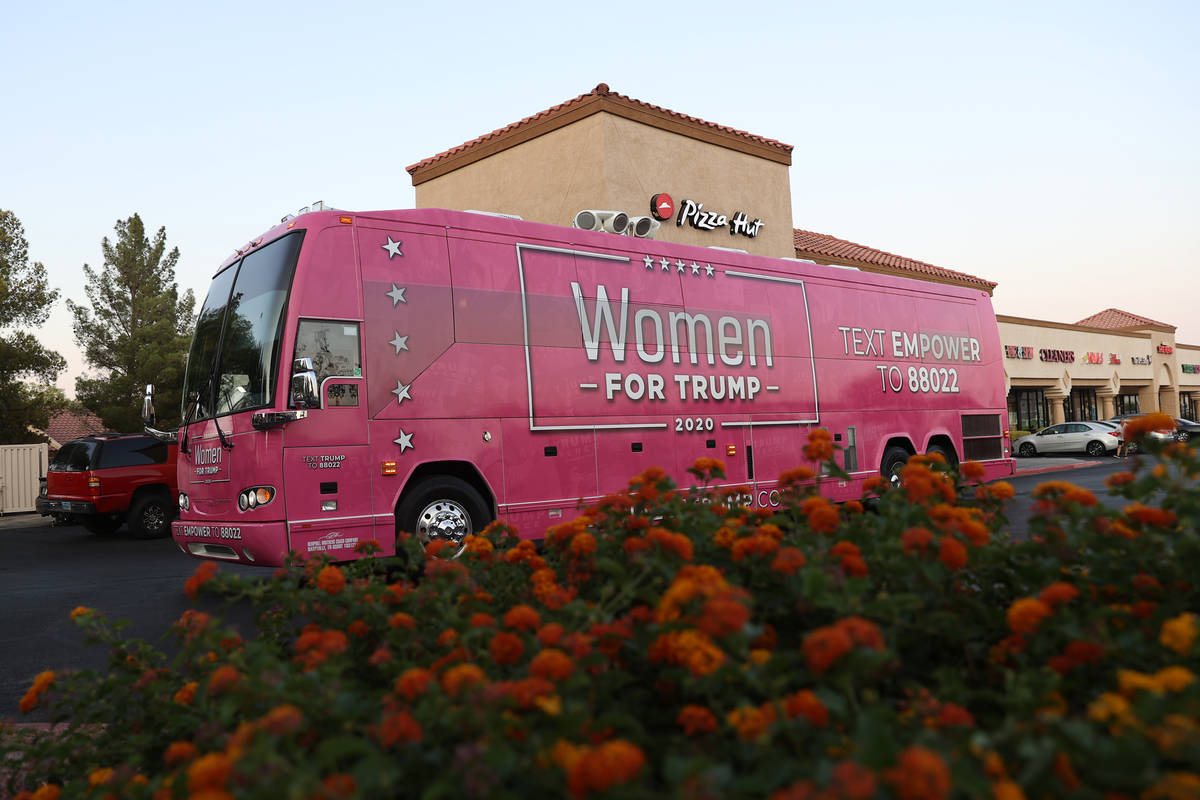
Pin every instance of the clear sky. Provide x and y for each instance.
(1048, 146)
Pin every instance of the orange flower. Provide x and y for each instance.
(402, 620)
(81, 611)
(185, 695)
(972, 470)
(1058, 593)
(599, 769)
(806, 704)
(696, 651)
(331, 580)
(916, 540)
(481, 619)
(863, 632)
(210, 772)
(922, 484)
(755, 545)
(853, 781)
(750, 723)
(478, 546)
(399, 727)
(1179, 633)
(824, 647)
(582, 545)
(1024, 615)
(820, 445)
(506, 648)
(1150, 517)
(201, 576)
(919, 774)
(1137, 427)
(788, 561)
(792, 477)
(178, 753)
(696, 720)
(952, 554)
(874, 484)
(1003, 490)
(460, 677)
(414, 682)
(282, 720)
(224, 679)
(551, 664)
(675, 543)
(1118, 479)
(723, 614)
(821, 515)
(522, 618)
(100, 777)
(550, 634)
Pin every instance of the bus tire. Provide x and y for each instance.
(946, 453)
(443, 507)
(150, 517)
(894, 459)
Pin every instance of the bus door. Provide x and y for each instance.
(325, 458)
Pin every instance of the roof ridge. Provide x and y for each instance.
(601, 90)
(844, 248)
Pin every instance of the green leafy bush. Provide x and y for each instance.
(678, 644)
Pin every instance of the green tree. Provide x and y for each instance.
(25, 300)
(136, 330)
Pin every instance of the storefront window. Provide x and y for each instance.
(1187, 407)
(1028, 409)
(1081, 406)
(1127, 404)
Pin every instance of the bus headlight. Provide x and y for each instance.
(184, 503)
(255, 496)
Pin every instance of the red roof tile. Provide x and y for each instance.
(1116, 319)
(67, 425)
(818, 246)
(604, 99)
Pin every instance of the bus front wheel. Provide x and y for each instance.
(445, 508)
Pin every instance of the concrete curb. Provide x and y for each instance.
(1057, 468)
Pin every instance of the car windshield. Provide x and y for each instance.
(238, 333)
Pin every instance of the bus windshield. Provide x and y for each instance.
(235, 349)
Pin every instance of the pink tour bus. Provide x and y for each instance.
(357, 374)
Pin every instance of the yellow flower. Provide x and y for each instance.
(1109, 706)
(1130, 682)
(551, 705)
(1179, 634)
(1174, 679)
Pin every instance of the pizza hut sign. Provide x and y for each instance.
(694, 214)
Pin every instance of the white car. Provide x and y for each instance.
(1093, 438)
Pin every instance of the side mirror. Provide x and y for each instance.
(305, 392)
(148, 405)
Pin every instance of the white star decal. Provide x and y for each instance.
(666, 265)
(649, 262)
(393, 248)
(400, 342)
(397, 295)
(695, 268)
(680, 266)
(401, 392)
(709, 270)
(405, 441)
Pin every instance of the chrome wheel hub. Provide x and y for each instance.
(444, 519)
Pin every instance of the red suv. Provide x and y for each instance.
(112, 478)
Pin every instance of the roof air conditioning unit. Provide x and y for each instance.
(608, 221)
(643, 227)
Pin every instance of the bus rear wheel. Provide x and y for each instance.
(894, 459)
(445, 508)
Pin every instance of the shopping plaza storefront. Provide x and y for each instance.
(700, 183)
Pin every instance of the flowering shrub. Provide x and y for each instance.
(676, 643)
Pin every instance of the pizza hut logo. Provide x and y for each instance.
(662, 207)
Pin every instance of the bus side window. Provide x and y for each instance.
(335, 353)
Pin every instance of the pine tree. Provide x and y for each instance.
(137, 328)
(25, 300)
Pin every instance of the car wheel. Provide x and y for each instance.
(101, 526)
(1095, 448)
(1182, 436)
(1027, 450)
(150, 517)
(443, 508)
(894, 459)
